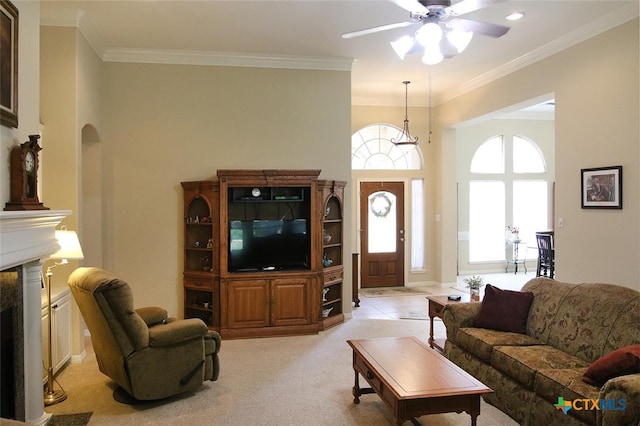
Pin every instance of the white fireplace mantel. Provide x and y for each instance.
(28, 235)
(26, 239)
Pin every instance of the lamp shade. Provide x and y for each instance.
(402, 46)
(70, 248)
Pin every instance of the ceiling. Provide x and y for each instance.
(239, 32)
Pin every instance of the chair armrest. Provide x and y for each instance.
(152, 315)
(215, 337)
(176, 331)
(459, 315)
(622, 388)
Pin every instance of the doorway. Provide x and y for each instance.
(383, 234)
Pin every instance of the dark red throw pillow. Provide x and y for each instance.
(617, 363)
(504, 310)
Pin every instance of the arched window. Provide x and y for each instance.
(489, 157)
(527, 157)
(508, 186)
(372, 149)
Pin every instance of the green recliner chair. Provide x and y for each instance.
(146, 353)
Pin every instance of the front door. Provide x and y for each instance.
(382, 220)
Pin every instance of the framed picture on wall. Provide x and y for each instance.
(8, 64)
(602, 188)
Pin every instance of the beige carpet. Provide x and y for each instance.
(393, 291)
(270, 381)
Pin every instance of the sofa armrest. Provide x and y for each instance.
(459, 315)
(622, 388)
(152, 315)
(176, 331)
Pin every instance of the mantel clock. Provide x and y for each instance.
(24, 176)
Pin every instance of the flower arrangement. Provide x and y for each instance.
(513, 229)
(475, 282)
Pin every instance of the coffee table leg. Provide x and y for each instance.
(356, 389)
(475, 410)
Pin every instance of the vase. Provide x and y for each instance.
(475, 294)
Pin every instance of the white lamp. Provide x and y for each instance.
(70, 249)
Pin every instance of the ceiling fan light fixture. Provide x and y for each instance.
(432, 55)
(460, 39)
(429, 34)
(402, 46)
(405, 137)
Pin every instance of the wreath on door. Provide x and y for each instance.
(380, 205)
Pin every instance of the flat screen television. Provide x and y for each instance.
(267, 245)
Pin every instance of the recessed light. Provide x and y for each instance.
(515, 16)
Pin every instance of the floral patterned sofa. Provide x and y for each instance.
(569, 330)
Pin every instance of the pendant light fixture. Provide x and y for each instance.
(405, 137)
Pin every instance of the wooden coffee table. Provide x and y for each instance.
(413, 380)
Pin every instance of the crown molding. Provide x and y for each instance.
(605, 23)
(75, 19)
(191, 57)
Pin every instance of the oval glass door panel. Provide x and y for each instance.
(382, 229)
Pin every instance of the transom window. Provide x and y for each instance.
(372, 149)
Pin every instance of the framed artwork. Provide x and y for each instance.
(8, 64)
(602, 188)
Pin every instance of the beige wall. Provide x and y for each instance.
(58, 114)
(70, 96)
(596, 90)
(164, 124)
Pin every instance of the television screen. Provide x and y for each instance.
(258, 245)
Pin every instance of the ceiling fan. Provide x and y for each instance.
(442, 33)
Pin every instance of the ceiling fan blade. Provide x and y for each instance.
(366, 31)
(410, 5)
(467, 6)
(485, 28)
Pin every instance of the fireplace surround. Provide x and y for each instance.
(27, 238)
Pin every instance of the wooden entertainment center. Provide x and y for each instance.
(263, 252)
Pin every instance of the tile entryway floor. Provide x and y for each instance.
(397, 307)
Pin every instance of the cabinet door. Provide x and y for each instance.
(290, 301)
(61, 316)
(60, 333)
(248, 303)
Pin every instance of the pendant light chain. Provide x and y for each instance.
(430, 114)
(406, 100)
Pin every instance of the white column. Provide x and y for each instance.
(33, 370)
